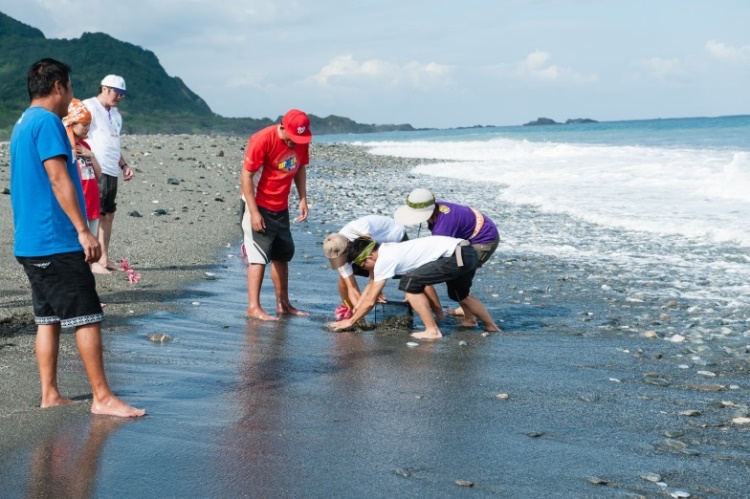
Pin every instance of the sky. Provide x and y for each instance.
(434, 64)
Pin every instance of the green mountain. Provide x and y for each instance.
(156, 103)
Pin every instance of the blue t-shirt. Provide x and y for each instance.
(41, 226)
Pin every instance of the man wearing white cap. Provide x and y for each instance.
(104, 139)
(452, 220)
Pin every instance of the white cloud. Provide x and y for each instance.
(729, 54)
(537, 66)
(661, 68)
(345, 68)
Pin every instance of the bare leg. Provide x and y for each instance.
(421, 305)
(105, 234)
(473, 305)
(432, 296)
(89, 341)
(47, 347)
(255, 272)
(344, 290)
(280, 278)
(458, 311)
(469, 319)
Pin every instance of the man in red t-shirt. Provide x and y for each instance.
(275, 156)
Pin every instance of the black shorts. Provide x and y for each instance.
(107, 194)
(486, 250)
(275, 244)
(446, 269)
(63, 289)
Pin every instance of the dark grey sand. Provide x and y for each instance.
(581, 395)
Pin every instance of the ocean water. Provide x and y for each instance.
(665, 199)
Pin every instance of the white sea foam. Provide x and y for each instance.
(697, 193)
(675, 219)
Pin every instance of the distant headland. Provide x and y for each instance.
(548, 121)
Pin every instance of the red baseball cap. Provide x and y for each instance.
(297, 126)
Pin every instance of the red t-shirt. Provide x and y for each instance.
(274, 165)
(89, 183)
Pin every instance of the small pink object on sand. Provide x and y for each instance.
(133, 276)
(342, 312)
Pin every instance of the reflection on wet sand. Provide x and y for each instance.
(66, 467)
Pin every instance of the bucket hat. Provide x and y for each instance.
(420, 204)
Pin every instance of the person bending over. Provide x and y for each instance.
(453, 220)
(420, 262)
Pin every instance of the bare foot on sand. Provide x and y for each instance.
(290, 310)
(55, 400)
(465, 323)
(492, 329)
(428, 334)
(98, 268)
(113, 406)
(259, 314)
(113, 266)
(458, 312)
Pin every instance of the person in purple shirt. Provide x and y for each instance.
(452, 220)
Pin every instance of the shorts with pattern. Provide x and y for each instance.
(63, 289)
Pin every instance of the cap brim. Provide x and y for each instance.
(409, 216)
(338, 261)
(299, 139)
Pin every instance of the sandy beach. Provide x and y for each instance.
(586, 393)
(174, 218)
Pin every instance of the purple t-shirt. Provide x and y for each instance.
(456, 220)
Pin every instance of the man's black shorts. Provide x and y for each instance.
(63, 289)
(446, 269)
(275, 244)
(107, 194)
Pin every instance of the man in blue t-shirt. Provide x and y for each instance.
(52, 239)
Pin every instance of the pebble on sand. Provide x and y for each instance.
(651, 477)
(596, 480)
(691, 413)
(464, 483)
(159, 338)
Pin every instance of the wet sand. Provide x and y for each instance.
(596, 406)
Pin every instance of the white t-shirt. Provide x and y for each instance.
(104, 136)
(402, 258)
(381, 229)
